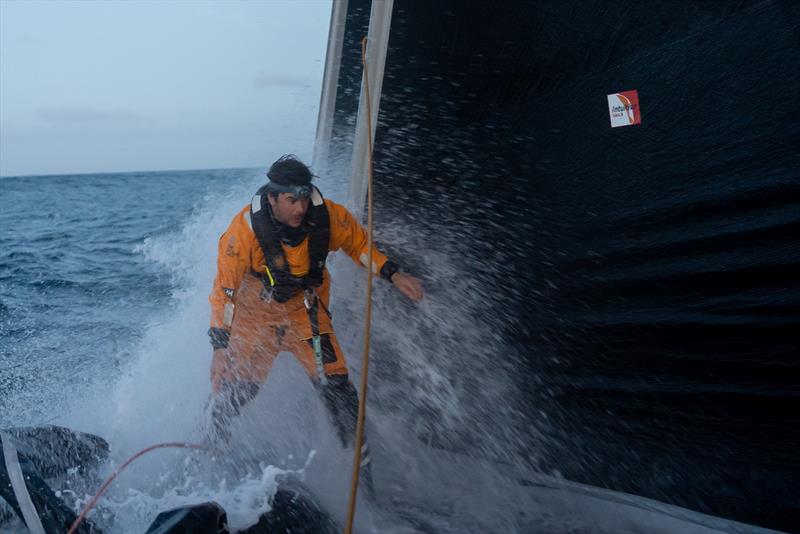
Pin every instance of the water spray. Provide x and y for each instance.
(110, 479)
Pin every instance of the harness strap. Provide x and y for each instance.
(312, 306)
(318, 239)
(325, 309)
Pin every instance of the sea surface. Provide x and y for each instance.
(87, 264)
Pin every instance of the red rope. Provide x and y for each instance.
(110, 479)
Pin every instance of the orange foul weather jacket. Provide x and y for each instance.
(258, 328)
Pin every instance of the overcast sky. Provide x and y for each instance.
(121, 86)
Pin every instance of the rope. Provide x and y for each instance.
(362, 398)
(110, 479)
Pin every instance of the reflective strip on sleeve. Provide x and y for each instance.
(227, 314)
(249, 221)
(363, 259)
(29, 513)
(255, 204)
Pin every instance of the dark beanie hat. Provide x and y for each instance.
(289, 170)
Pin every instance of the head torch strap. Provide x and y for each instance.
(300, 191)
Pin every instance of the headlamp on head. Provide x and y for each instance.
(299, 191)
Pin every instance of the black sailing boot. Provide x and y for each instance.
(341, 400)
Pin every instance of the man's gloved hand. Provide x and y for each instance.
(222, 369)
(408, 285)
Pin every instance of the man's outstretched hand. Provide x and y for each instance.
(408, 286)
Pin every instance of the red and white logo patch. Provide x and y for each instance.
(623, 108)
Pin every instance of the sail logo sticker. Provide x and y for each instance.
(623, 109)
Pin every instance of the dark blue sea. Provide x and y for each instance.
(82, 277)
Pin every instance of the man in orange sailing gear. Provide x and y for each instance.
(271, 294)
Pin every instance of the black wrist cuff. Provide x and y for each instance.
(388, 270)
(219, 337)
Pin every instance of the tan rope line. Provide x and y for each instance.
(362, 398)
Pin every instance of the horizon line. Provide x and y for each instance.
(95, 173)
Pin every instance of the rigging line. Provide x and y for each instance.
(362, 399)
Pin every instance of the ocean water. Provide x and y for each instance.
(82, 278)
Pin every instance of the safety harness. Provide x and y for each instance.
(279, 283)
